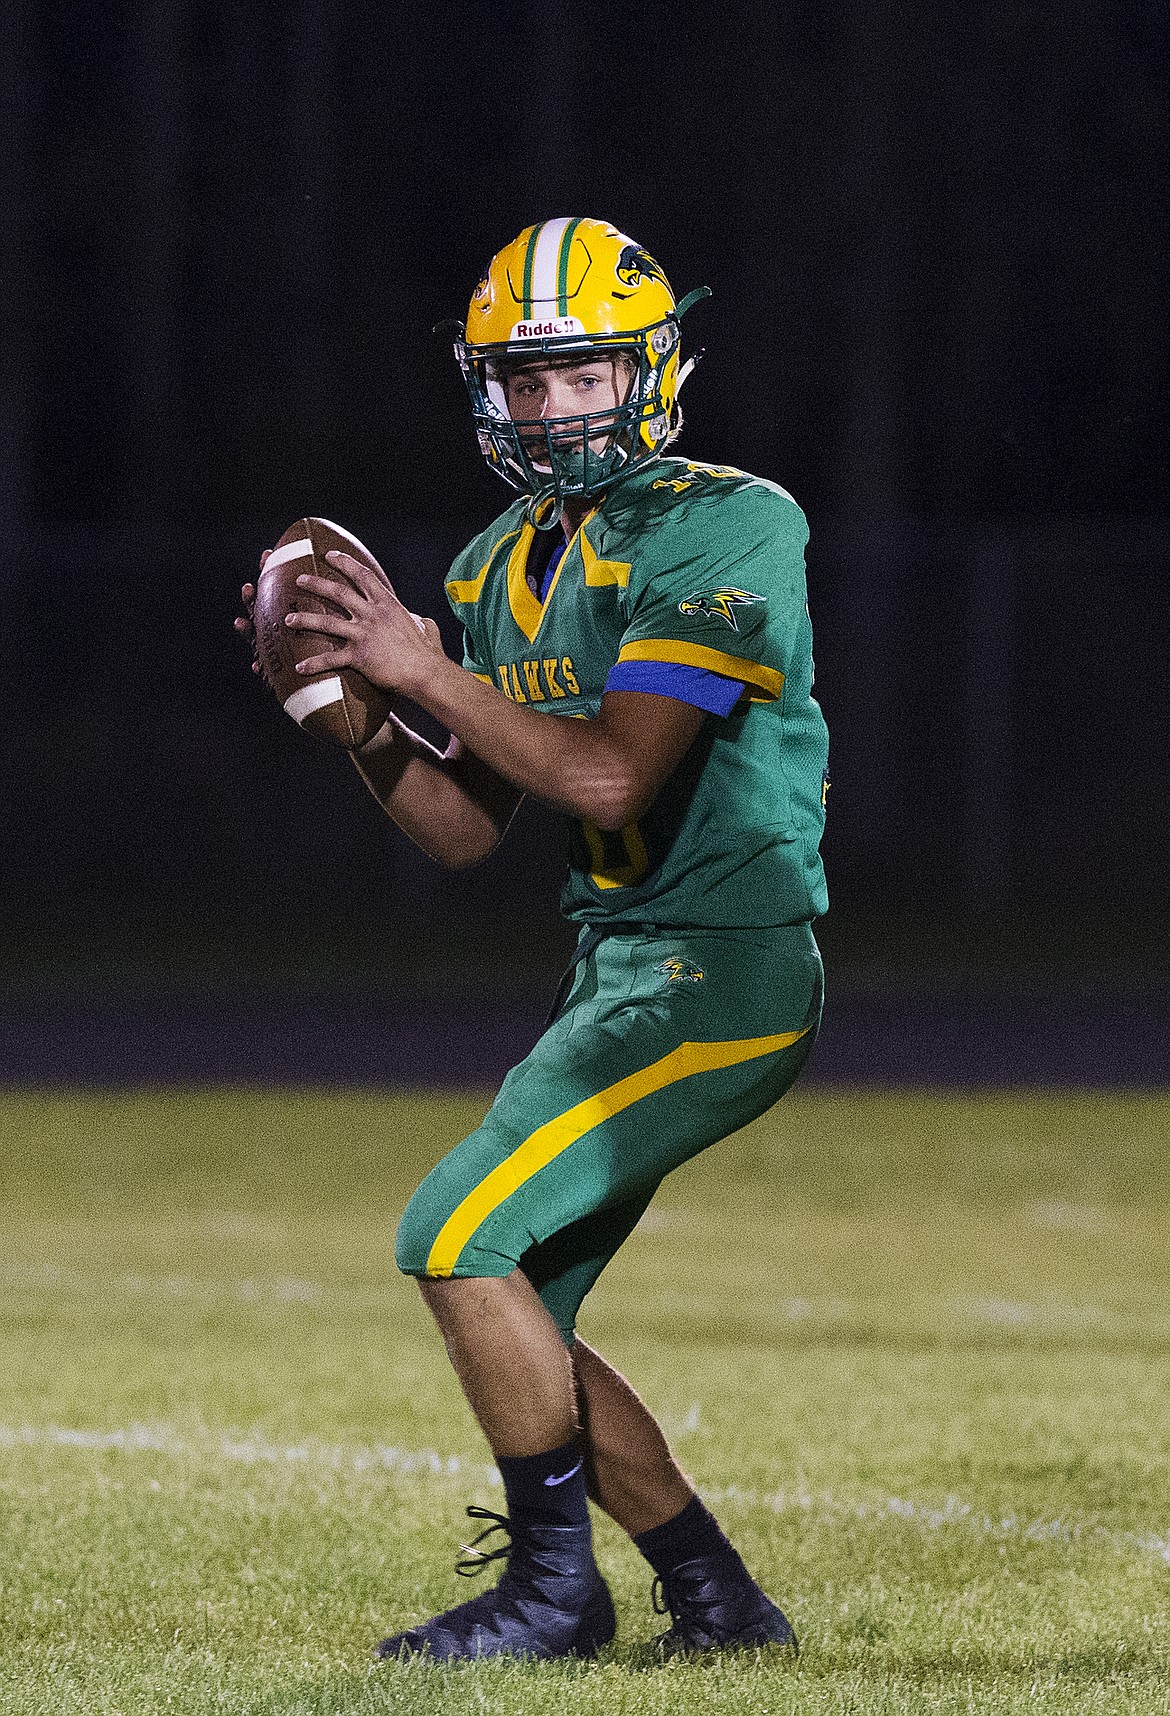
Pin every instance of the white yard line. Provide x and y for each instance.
(953, 1512)
(245, 1290)
(255, 1448)
(250, 1448)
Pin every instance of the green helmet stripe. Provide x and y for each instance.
(563, 267)
(529, 259)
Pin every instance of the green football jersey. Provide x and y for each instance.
(692, 564)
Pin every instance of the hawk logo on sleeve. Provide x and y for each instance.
(722, 602)
(676, 969)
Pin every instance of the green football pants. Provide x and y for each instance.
(665, 1044)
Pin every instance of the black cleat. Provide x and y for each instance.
(715, 1604)
(551, 1601)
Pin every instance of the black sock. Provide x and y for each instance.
(691, 1533)
(548, 1489)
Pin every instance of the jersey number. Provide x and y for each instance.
(619, 859)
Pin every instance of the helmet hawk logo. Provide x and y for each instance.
(721, 602)
(635, 266)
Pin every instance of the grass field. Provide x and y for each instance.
(914, 1350)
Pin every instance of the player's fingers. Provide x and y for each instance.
(429, 630)
(346, 563)
(243, 625)
(330, 625)
(264, 553)
(328, 663)
(367, 578)
(342, 594)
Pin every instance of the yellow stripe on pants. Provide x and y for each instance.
(541, 1146)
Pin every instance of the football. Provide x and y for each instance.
(342, 707)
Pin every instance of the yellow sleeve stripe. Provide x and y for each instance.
(547, 1142)
(768, 680)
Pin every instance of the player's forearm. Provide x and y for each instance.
(573, 765)
(440, 800)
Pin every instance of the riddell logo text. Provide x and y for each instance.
(542, 330)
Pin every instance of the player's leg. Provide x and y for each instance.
(589, 1122)
(464, 1243)
(524, 1403)
(545, 1396)
(631, 1472)
(516, 1373)
(629, 1468)
(712, 1599)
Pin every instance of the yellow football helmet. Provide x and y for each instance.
(567, 287)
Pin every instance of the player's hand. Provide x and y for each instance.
(244, 623)
(392, 647)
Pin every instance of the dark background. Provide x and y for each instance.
(936, 239)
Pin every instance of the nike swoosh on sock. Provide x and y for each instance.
(565, 1476)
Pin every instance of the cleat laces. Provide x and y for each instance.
(474, 1559)
(519, 1580)
(696, 1622)
(667, 1599)
(550, 1602)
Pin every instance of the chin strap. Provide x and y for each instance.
(692, 298)
(685, 370)
(534, 503)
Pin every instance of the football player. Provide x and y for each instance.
(661, 603)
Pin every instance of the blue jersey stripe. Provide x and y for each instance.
(706, 690)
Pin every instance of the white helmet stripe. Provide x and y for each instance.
(544, 263)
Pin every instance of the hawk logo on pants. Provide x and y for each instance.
(721, 602)
(679, 970)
